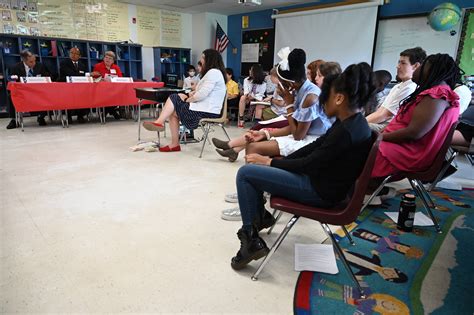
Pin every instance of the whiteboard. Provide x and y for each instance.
(250, 52)
(396, 35)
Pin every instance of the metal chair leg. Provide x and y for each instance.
(443, 170)
(348, 235)
(376, 192)
(339, 252)
(205, 138)
(225, 131)
(419, 192)
(427, 194)
(280, 213)
(275, 246)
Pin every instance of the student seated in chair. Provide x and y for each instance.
(410, 60)
(205, 102)
(319, 174)
(233, 90)
(254, 90)
(412, 139)
(307, 122)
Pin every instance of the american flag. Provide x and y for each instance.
(221, 39)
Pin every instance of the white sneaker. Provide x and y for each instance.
(374, 202)
(392, 192)
(231, 214)
(388, 192)
(232, 198)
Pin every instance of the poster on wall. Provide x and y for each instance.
(148, 26)
(55, 18)
(250, 52)
(115, 14)
(170, 28)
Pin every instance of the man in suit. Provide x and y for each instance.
(27, 67)
(76, 68)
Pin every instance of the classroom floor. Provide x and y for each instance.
(89, 226)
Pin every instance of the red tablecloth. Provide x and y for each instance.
(60, 95)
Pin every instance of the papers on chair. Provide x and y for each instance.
(420, 218)
(260, 103)
(315, 257)
(35, 79)
(271, 121)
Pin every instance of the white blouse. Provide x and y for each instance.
(210, 93)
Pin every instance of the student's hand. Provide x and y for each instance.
(267, 99)
(191, 93)
(286, 94)
(254, 136)
(254, 158)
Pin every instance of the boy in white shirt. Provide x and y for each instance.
(191, 80)
(410, 60)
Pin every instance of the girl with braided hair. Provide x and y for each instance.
(412, 139)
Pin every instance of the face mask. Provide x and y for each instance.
(192, 73)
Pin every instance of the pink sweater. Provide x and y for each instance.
(418, 155)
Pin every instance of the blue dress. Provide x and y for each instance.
(315, 114)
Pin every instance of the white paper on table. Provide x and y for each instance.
(315, 257)
(420, 218)
(270, 121)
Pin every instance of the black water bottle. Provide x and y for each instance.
(406, 213)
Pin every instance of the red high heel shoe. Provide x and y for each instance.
(152, 126)
(169, 149)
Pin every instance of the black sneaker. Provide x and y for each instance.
(12, 124)
(41, 121)
(252, 247)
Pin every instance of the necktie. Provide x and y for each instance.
(76, 66)
(30, 73)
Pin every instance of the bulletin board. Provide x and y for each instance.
(265, 38)
(465, 55)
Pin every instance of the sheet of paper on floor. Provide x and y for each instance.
(315, 257)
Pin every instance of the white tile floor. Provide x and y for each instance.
(88, 226)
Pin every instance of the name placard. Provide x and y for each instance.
(35, 79)
(78, 79)
(121, 79)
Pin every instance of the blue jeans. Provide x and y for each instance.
(252, 180)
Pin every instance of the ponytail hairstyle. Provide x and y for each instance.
(296, 63)
(440, 68)
(356, 82)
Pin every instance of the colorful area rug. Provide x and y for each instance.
(422, 272)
